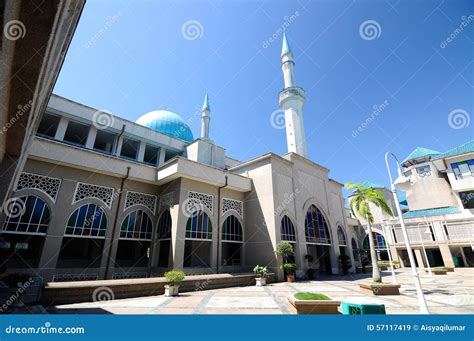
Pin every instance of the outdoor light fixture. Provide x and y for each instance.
(389, 252)
(416, 278)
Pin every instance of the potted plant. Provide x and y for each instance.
(286, 252)
(260, 275)
(312, 303)
(361, 199)
(173, 280)
(289, 269)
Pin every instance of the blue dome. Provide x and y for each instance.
(168, 123)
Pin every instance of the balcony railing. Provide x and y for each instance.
(416, 234)
(289, 92)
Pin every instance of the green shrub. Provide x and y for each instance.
(174, 277)
(289, 267)
(311, 296)
(284, 250)
(260, 271)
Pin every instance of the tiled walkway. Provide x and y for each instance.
(447, 294)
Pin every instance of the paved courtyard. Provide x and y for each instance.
(446, 294)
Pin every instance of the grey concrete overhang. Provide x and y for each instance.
(59, 153)
(180, 167)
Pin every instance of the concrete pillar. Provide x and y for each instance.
(91, 137)
(141, 151)
(161, 157)
(178, 234)
(119, 146)
(446, 254)
(419, 258)
(464, 259)
(62, 126)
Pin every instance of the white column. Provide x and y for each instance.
(91, 137)
(161, 157)
(141, 151)
(61, 131)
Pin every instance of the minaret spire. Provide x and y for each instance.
(291, 100)
(205, 118)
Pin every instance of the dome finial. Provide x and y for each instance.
(206, 105)
(285, 48)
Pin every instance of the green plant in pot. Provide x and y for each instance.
(261, 273)
(286, 252)
(289, 269)
(173, 280)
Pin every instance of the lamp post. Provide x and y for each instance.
(424, 248)
(416, 278)
(389, 252)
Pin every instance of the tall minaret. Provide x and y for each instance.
(291, 101)
(205, 118)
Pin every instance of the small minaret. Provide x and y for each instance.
(291, 100)
(205, 118)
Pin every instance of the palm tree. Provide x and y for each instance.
(359, 203)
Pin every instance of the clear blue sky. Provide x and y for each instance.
(132, 57)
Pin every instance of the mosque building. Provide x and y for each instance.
(101, 197)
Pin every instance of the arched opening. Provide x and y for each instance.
(133, 248)
(288, 234)
(232, 241)
(355, 250)
(163, 235)
(318, 239)
(380, 246)
(24, 231)
(342, 242)
(84, 238)
(198, 243)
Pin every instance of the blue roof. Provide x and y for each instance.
(419, 153)
(431, 212)
(285, 48)
(462, 149)
(168, 123)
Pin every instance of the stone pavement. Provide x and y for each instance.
(446, 294)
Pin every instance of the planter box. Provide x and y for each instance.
(290, 278)
(261, 282)
(380, 288)
(439, 271)
(312, 307)
(171, 290)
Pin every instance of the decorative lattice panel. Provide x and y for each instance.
(48, 185)
(231, 204)
(167, 200)
(201, 199)
(84, 191)
(135, 198)
(75, 277)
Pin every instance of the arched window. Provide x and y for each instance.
(232, 230)
(287, 229)
(199, 226)
(354, 244)
(136, 225)
(26, 215)
(341, 236)
(316, 227)
(163, 230)
(379, 241)
(87, 221)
